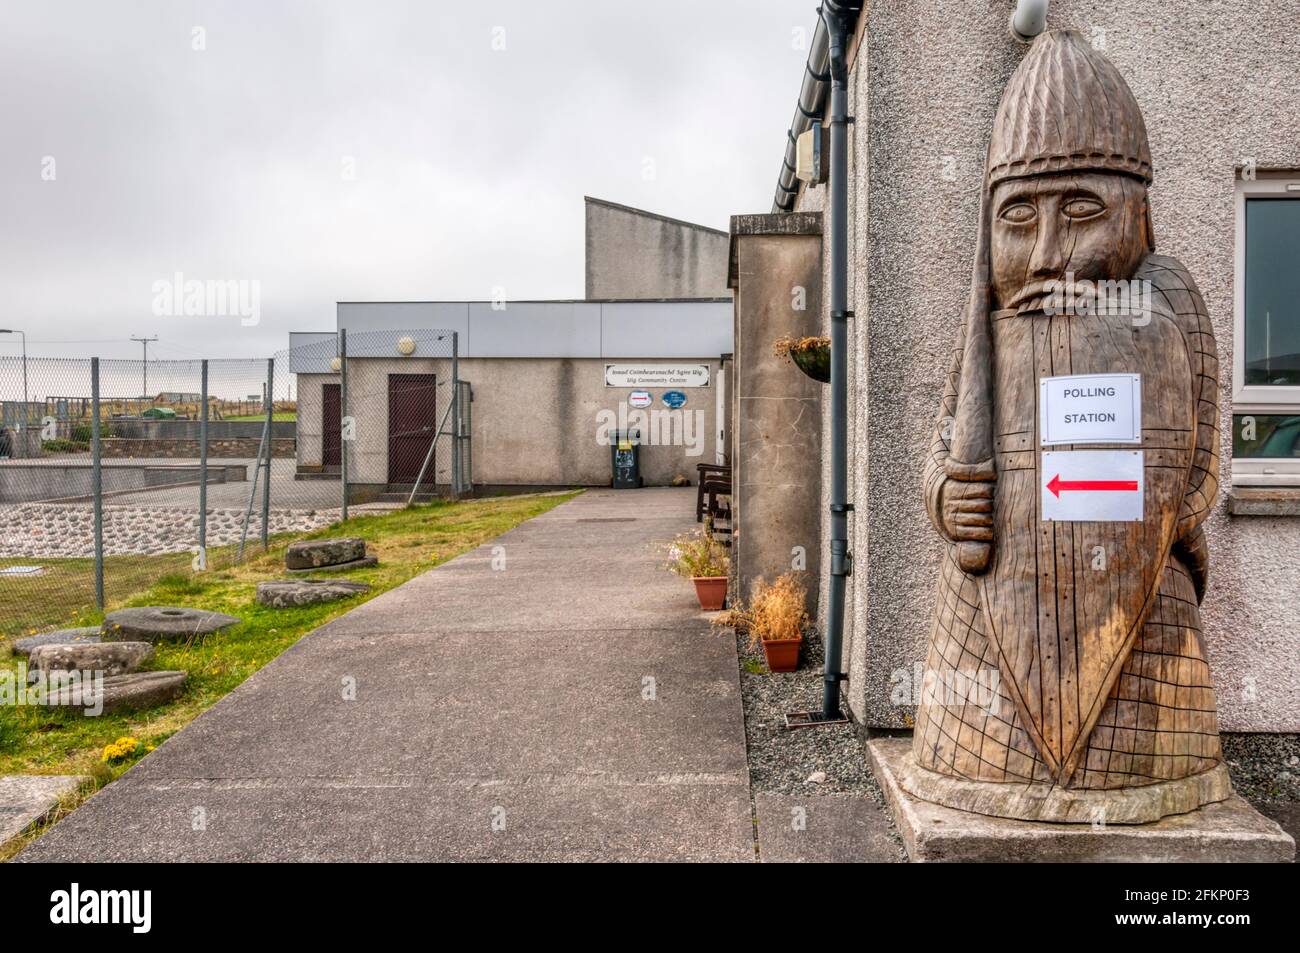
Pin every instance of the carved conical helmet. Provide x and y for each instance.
(1067, 109)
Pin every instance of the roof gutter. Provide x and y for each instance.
(811, 105)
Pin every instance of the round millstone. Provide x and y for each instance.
(24, 646)
(315, 553)
(163, 624)
(286, 593)
(111, 658)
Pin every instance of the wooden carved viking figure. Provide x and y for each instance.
(1074, 460)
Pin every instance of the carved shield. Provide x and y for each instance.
(1064, 601)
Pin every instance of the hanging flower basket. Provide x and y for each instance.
(812, 355)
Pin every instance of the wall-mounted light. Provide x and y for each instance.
(406, 347)
(812, 155)
(336, 364)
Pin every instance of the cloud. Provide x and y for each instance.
(469, 161)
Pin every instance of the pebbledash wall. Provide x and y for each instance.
(1217, 87)
(540, 393)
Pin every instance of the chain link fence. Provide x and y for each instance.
(114, 473)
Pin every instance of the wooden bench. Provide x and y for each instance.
(708, 472)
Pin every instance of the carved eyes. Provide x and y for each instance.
(1077, 209)
(1081, 208)
(1019, 214)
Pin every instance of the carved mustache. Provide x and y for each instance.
(1033, 295)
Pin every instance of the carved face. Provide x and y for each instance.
(1091, 224)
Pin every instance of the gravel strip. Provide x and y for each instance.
(782, 760)
(1264, 767)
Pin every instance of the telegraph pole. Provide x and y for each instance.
(144, 343)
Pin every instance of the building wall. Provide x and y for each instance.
(1215, 87)
(310, 390)
(367, 404)
(636, 254)
(534, 421)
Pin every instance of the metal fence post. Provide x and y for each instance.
(468, 388)
(203, 467)
(270, 440)
(343, 417)
(97, 478)
(455, 415)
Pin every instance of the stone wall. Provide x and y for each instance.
(239, 448)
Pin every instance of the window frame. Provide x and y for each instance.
(1257, 399)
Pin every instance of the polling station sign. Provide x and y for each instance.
(1090, 408)
(1088, 486)
(656, 376)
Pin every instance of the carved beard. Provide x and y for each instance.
(1052, 230)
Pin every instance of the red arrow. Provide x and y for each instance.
(1057, 485)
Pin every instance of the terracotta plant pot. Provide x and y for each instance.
(711, 591)
(782, 654)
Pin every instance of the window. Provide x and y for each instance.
(1266, 345)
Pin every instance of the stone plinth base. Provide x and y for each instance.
(1047, 802)
(1230, 831)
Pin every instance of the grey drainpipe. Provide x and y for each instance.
(835, 21)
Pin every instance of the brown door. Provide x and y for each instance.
(411, 425)
(331, 447)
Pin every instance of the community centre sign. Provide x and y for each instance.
(656, 375)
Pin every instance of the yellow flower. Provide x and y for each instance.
(121, 748)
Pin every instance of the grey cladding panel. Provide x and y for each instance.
(363, 316)
(310, 351)
(644, 329)
(534, 329)
(554, 329)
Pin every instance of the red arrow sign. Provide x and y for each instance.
(1057, 485)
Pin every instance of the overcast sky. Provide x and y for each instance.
(468, 163)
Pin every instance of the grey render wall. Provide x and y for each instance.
(1216, 86)
(637, 254)
(310, 425)
(534, 420)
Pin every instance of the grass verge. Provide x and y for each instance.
(278, 415)
(37, 740)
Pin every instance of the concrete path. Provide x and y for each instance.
(569, 706)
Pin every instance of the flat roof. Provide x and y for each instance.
(622, 329)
